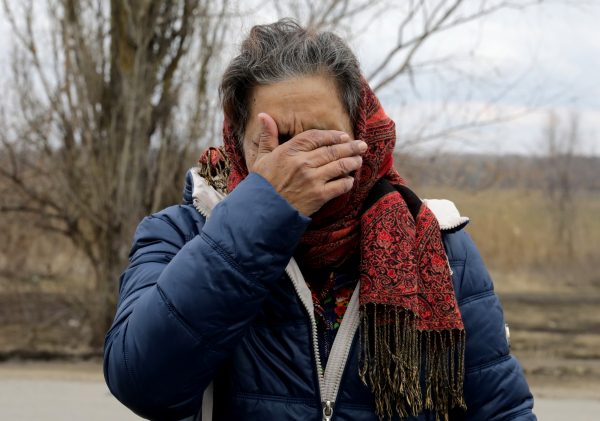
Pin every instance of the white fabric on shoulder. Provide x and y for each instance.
(446, 213)
(205, 198)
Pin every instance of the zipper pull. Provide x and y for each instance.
(449, 267)
(327, 410)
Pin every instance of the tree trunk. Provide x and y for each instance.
(110, 265)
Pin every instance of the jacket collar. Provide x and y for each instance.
(447, 215)
(205, 198)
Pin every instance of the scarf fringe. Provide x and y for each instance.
(401, 350)
(215, 167)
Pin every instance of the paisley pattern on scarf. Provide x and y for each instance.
(419, 282)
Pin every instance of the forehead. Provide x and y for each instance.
(300, 104)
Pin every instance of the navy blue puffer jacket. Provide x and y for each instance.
(208, 299)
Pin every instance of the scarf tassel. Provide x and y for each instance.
(215, 167)
(401, 351)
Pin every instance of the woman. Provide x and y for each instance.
(301, 276)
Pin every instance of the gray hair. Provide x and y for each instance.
(285, 50)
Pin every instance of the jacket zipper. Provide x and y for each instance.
(329, 381)
(204, 211)
(293, 272)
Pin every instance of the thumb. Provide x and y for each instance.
(269, 136)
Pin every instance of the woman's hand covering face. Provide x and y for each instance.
(310, 169)
(313, 166)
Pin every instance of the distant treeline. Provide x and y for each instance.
(480, 172)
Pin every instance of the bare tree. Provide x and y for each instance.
(422, 20)
(326, 14)
(419, 23)
(112, 98)
(95, 141)
(560, 149)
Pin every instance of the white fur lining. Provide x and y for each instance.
(205, 197)
(446, 213)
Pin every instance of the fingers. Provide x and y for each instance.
(341, 167)
(326, 154)
(314, 139)
(337, 188)
(269, 136)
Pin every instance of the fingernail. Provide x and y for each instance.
(362, 146)
(344, 137)
(262, 122)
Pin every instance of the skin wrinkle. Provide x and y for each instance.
(296, 105)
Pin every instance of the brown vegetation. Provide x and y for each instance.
(550, 299)
(94, 144)
(114, 99)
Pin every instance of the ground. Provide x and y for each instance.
(75, 391)
(550, 297)
(555, 332)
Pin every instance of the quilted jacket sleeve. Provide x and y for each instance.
(190, 293)
(495, 387)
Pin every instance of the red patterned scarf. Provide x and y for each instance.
(409, 317)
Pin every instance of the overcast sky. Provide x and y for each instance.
(548, 55)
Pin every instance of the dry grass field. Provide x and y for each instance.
(551, 299)
(515, 232)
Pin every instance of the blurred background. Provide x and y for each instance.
(105, 104)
